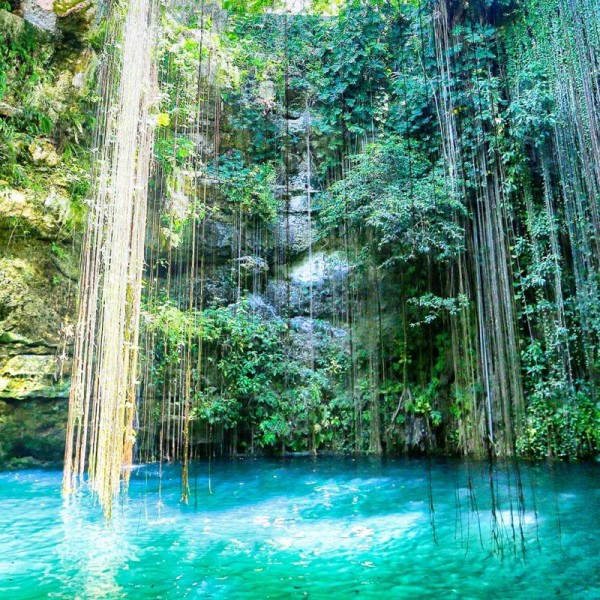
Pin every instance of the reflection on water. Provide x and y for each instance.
(99, 549)
(304, 528)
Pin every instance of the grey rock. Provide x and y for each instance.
(40, 14)
(296, 232)
(261, 308)
(319, 268)
(314, 287)
(316, 327)
(305, 178)
(298, 203)
(251, 264)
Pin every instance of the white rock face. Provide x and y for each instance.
(295, 7)
(47, 214)
(42, 151)
(320, 268)
(39, 13)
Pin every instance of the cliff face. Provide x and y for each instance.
(46, 70)
(46, 109)
(411, 281)
(288, 276)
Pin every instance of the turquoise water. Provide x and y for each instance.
(330, 528)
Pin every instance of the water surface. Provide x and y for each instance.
(330, 528)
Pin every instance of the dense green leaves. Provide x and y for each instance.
(400, 196)
(455, 152)
(250, 376)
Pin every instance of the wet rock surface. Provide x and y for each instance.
(37, 300)
(32, 432)
(316, 286)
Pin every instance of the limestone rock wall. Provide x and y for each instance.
(54, 16)
(40, 225)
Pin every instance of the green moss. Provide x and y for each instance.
(47, 97)
(62, 7)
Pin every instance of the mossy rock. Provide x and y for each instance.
(76, 17)
(54, 16)
(44, 215)
(64, 7)
(10, 25)
(31, 376)
(37, 290)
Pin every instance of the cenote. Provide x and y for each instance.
(295, 528)
(255, 254)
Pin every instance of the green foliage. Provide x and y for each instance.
(249, 6)
(399, 195)
(249, 379)
(249, 188)
(423, 403)
(388, 122)
(172, 150)
(58, 251)
(21, 59)
(353, 65)
(22, 63)
(560, 424)
(437, 307)
(29, 68)
(532, 109)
